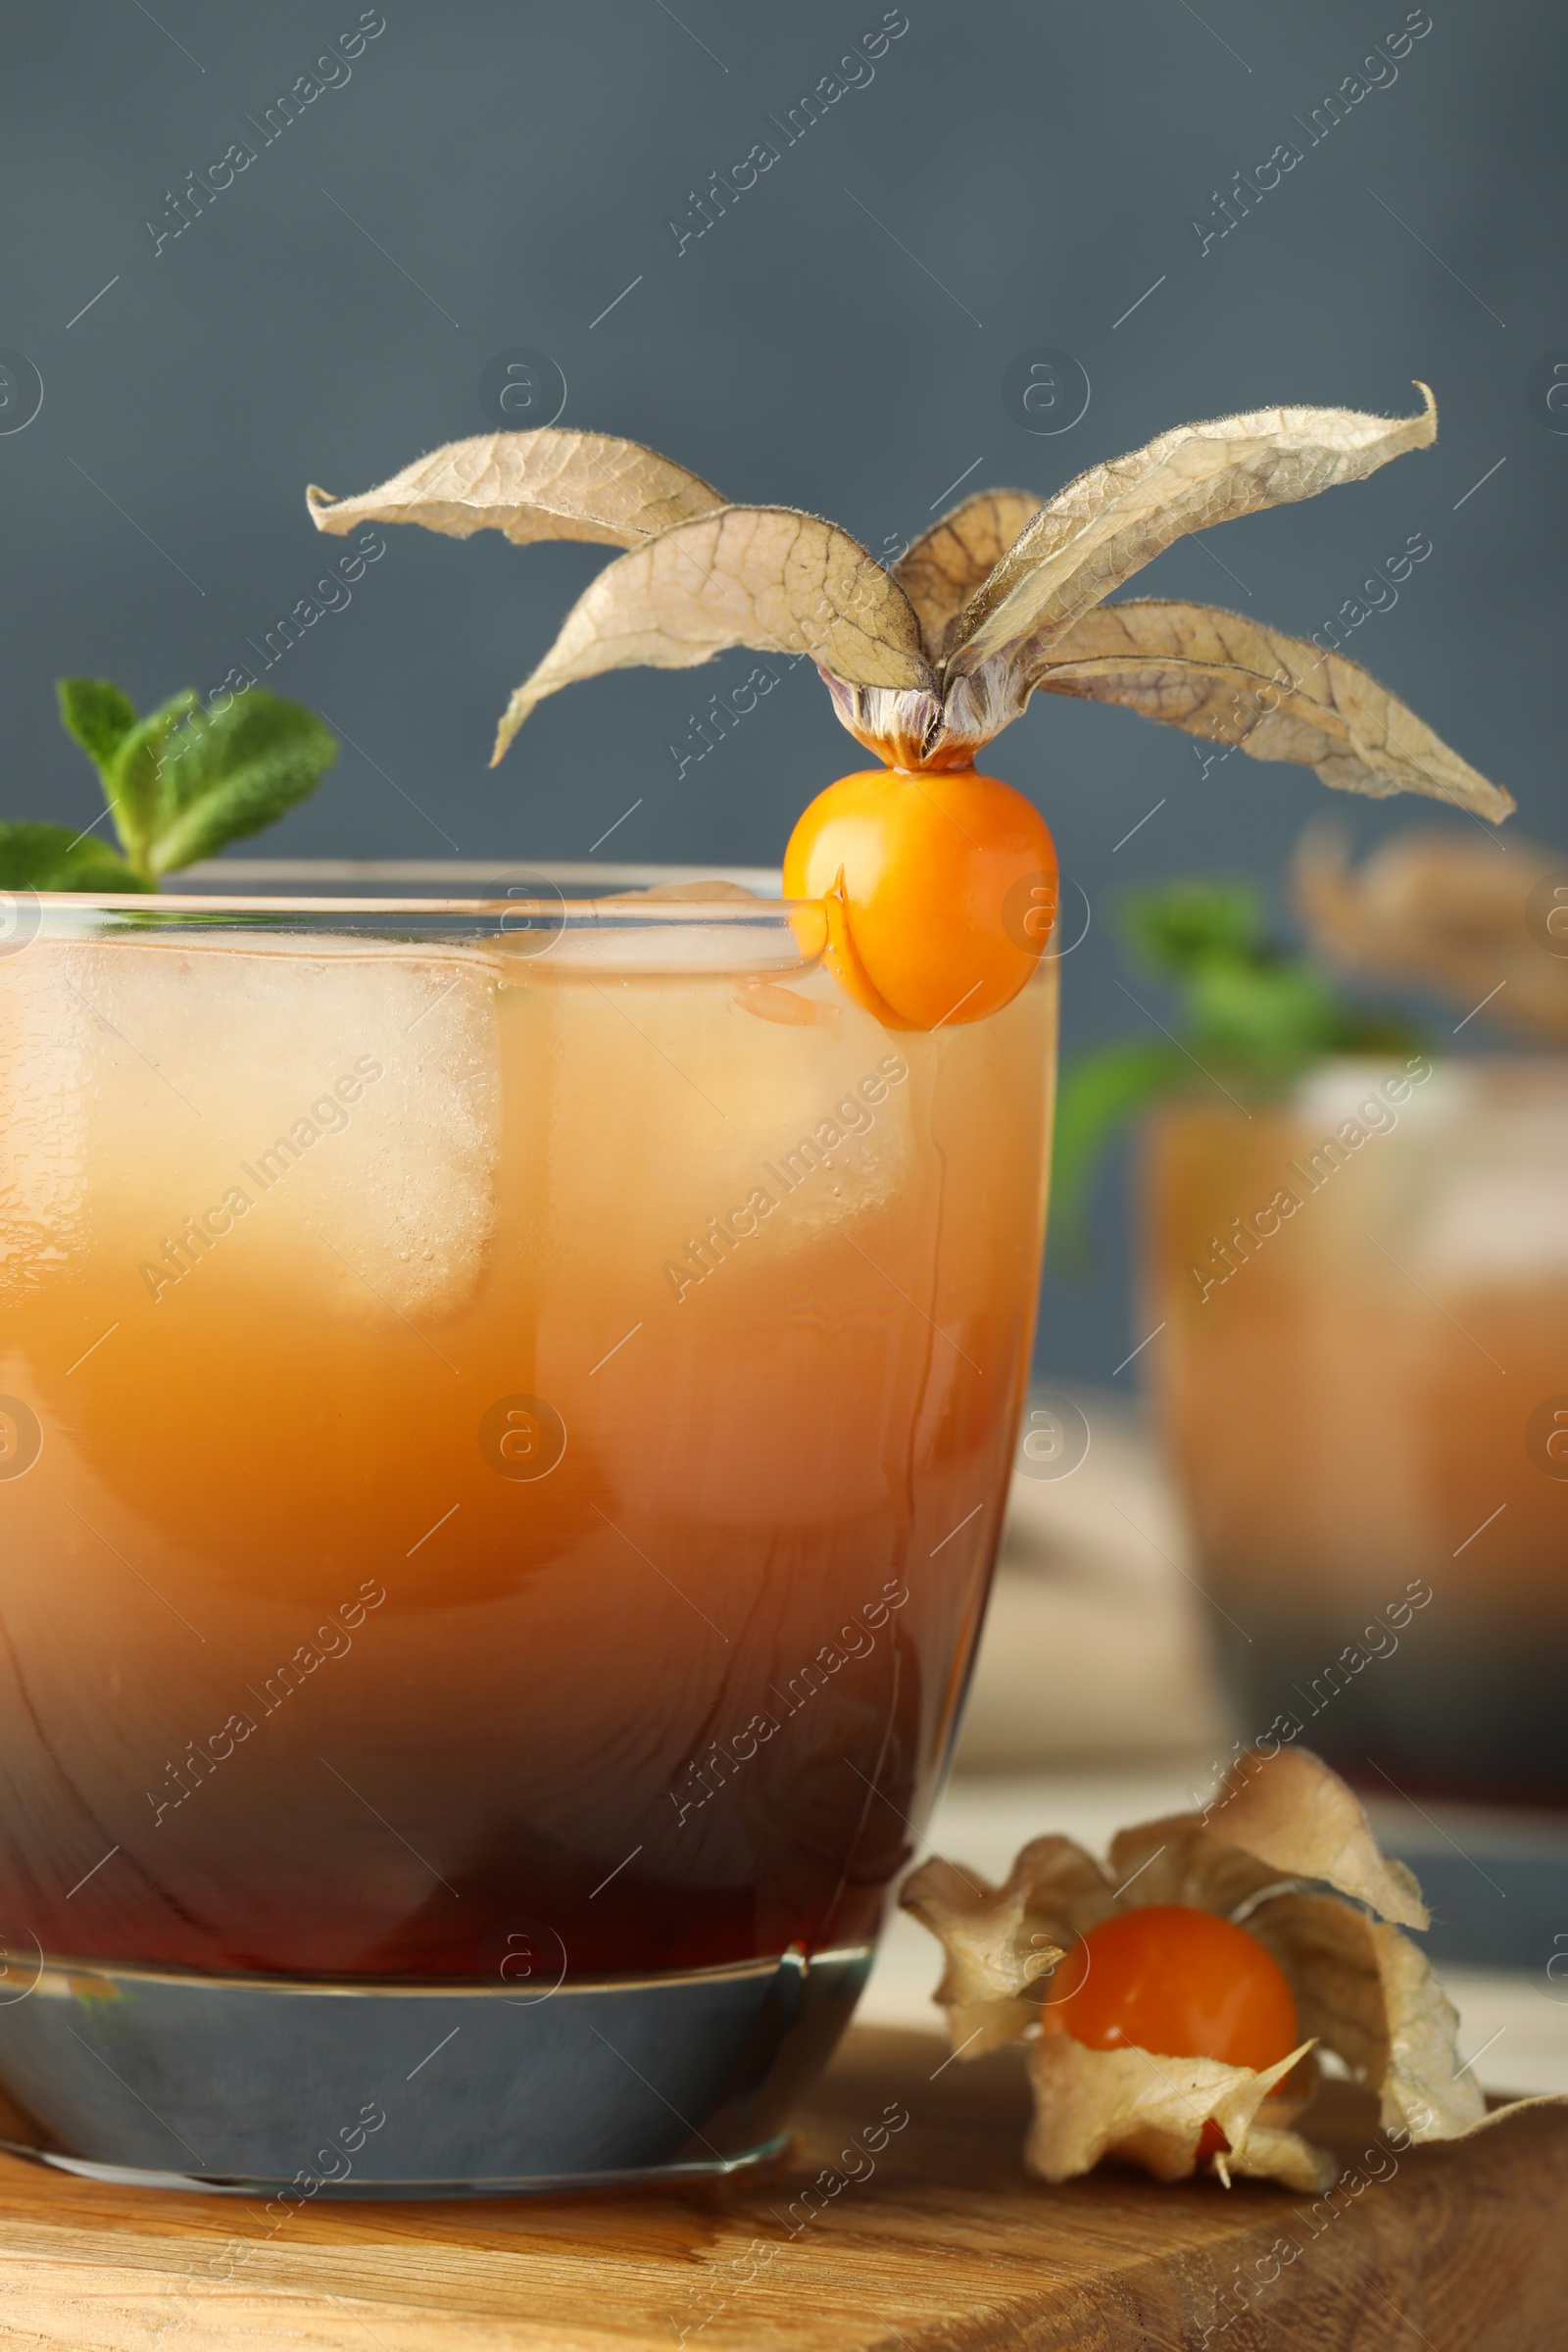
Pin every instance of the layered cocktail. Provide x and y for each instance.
(1363, 1377)
(510, 1428)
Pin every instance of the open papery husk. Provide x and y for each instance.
(1430, 909)
(992, 1960)
(546, 484)
(1151, 2111)
(1002, 598)
(1284, 1848)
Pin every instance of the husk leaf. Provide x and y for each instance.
(1150, 2110)
(992, 1955)
(1369, 1994)
(552, 483)
(1230, 681)
(1100, 529)
(942, 570)
(762, 576)
(1290, 1810)
(1178, 1861)
(1432, 910)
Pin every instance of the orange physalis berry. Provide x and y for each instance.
(940, 887)
(1180, 1983)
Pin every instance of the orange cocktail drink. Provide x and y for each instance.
(518, 1439)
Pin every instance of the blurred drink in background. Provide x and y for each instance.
(1363, 1384)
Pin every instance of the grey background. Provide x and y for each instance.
(493, 176)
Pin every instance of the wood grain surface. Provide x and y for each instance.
(940, 2240)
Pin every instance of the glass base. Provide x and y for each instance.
(162, 2079)
(297, 2190)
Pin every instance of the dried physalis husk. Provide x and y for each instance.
(992, 1956)
(1031, 623)
(941, 570)
(547, 484)
(1286, 1847)
(761, 576)
(1093, 535)
(1154, 2111)
(1232, 681)
(1287, 1811)
(995, 601)
(1430, 909)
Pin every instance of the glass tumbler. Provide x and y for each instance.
(1363, 1382)
(504, 1415)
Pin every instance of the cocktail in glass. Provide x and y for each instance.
(1363, 1379)
(506, 1413)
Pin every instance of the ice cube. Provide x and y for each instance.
(348, 1091)
(46, 1063)
(673, 1104)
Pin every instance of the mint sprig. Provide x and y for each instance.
(181, 783)
(52, 857)
(1254, 1019)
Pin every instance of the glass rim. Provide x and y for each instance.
(622, 933)
(623, 906)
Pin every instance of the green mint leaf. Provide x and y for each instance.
(1099, 1094)
(97, 714)
(1179, 928)
(227, 774)
(50, 857)
(1268, 1019)
(134, 780)
(1253, 1021)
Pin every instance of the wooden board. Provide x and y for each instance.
(942, 2241)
